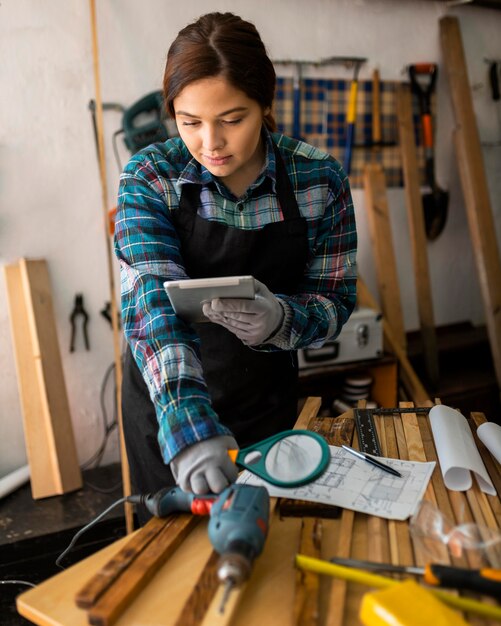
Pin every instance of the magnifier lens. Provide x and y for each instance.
(293, 458)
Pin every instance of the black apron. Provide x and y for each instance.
(254, 393)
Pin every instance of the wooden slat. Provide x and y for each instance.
(119, 595)
(382, 247)
(417, 231)
(98, 584)
(110, 264)
(337, 600)
(309, 411)
(306, 599)
(307, 586)
(417, 453)
(400, 548)
(38, 439)
(474, 183)
(48, 429)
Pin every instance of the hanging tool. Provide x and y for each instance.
(494, 72)
(296, 93)
(143, 123)
(435, 199)
(296, 88)
(349, 62)
(238, 526)
(486, 581)
(351, 115)
(79, 311)
(376, 109)
(106, 106)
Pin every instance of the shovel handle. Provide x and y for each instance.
(423, 91)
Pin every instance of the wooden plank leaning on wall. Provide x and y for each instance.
(48, 431)
(126, 481)
(417, 232)
(474, 183)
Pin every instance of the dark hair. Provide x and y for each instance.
(221, 44)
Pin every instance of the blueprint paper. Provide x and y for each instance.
(354, 484)
(489, 434)
(456, 450)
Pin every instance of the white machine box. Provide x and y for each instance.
(361, 338)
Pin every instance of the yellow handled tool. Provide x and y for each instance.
(486, 581)
(375, 580)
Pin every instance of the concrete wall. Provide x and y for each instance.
(50, 194)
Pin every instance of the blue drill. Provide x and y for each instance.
(238, 525)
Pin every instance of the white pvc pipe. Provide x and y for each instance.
(14, 480)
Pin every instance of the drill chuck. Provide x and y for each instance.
(233, 567)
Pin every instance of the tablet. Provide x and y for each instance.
(187, 296)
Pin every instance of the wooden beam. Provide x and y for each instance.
(382, 248)
(474, 184)
(417, 232)
(48, 430)
(126, 481)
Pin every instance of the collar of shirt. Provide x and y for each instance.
(196, 174)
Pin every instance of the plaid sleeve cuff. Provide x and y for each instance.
(187, 426)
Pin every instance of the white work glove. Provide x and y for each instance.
(252, 321)
(206, 467)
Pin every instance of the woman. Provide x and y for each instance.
(227, 197)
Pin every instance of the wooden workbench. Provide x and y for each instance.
(275, 592)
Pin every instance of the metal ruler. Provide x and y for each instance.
(368, 440)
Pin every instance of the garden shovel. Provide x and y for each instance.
(435, 199)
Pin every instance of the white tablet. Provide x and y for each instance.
(187, 296)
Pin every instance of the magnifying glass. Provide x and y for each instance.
(289, 459)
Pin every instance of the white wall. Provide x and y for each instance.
(49, 185)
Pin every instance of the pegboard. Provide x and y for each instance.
(324, 103)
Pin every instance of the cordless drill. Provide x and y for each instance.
(238, 525)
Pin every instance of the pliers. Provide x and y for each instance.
(79, 311)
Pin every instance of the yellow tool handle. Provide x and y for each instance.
(351, 116)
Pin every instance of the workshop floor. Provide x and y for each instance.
(33, 533)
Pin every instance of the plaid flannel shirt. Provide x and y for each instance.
(146, 244)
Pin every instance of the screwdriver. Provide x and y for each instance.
(486, 581)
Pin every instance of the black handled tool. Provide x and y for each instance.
(486, 581)
(435, 200)
(79, 311)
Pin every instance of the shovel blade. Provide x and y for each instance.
(435, 206)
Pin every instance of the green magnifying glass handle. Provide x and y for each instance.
(290, 458)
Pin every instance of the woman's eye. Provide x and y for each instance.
(190, 123)
(233, 122)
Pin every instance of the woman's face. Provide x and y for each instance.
(221, 127)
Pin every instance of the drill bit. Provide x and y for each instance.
(233, 569)
(228, 588)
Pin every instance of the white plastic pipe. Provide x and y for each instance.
(14, 480)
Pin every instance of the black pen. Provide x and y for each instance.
(373, 461)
